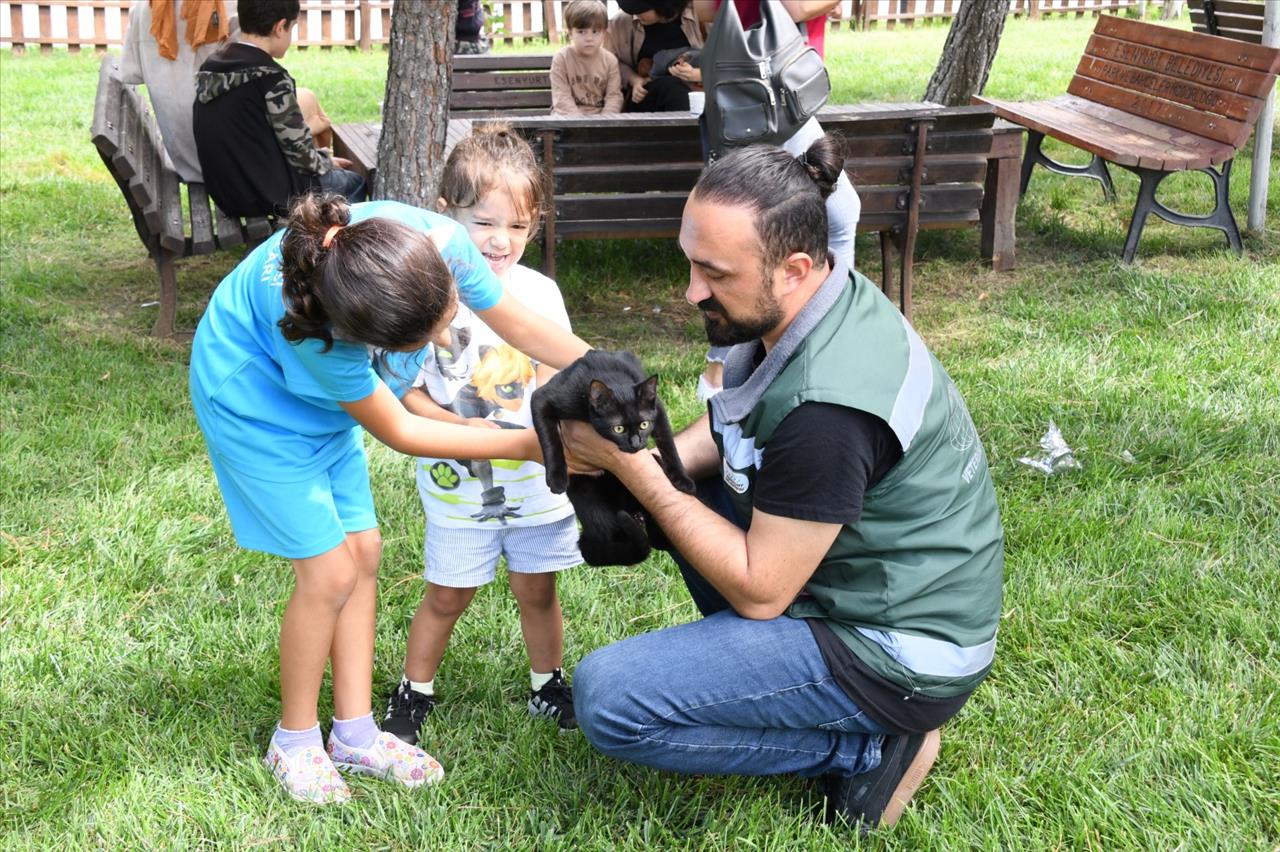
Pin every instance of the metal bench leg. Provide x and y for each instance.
(168, 293)
(886, 262)
(1096, 168)
(1220, 218)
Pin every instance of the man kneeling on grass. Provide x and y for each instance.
(845, 547)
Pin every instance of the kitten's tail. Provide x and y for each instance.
(628, 545)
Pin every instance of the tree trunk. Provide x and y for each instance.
(1170, 10)
(415, 110)
(966, 57)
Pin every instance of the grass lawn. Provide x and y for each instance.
(1133, 704)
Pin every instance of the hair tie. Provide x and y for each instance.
(329, 234)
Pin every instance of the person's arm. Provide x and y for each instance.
(388, 420)
(613, 89)
(618, 38)
(759, 571)
(418, 402)
(533, 334)
(697, 449)
(562, 100)
(806, 10)
(131, 50)
(291, 129)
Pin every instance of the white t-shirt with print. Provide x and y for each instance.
(482, 376)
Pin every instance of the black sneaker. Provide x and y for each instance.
(878, 797)
(555, 701)
(406, 711)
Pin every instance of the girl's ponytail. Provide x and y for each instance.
(303, 254)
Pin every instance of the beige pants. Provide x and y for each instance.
(313, 115)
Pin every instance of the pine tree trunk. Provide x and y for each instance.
(415, 115)
(966, 57)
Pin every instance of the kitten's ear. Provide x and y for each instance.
(647, 391)
(599, 393)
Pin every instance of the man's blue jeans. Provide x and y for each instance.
(724, 695)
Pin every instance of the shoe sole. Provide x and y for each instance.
(912, 779)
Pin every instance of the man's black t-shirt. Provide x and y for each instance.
(820, 462)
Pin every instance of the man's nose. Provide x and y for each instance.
(696, 291)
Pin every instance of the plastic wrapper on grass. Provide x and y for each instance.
(1057, 458)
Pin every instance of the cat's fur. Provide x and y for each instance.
(610, 391)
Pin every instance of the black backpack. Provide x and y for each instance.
(762, 83)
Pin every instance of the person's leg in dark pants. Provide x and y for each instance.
(344, 182)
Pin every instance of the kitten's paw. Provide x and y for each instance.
(682, 482)
(557, 483)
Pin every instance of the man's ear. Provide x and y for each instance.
(795, 269)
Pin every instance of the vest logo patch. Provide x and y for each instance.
(960, 431)
(736, 481)
(971, 467)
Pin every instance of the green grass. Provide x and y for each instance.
(1133, 704)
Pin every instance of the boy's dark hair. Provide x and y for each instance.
(257, 17)
(586, 15)
(787, 194)
(378, 282)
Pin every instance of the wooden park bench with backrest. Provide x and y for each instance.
(126, 136)
(615, 177)
(1241, 20)
(1153, 100)
(489, 86)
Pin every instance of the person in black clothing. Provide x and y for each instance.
(470, 29)
(643, 30)
(256, 151)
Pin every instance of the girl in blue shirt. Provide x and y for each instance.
(305, 345)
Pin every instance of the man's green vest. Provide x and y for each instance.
(913, 586)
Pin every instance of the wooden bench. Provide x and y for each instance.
(486, 86)
(1153, 100)
(1235, 19)
(126, 136)
(625, 177)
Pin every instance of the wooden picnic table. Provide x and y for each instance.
(358, 142)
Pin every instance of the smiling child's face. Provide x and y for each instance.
(498, 228)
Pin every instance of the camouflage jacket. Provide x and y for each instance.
(282, 111)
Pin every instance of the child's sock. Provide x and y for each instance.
(359, 732)
(426, 687)
(538, 679)
(292, 742)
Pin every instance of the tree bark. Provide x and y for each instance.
(966, 57)
(1170, 10)
(415, 110)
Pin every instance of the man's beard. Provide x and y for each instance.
(726, 331)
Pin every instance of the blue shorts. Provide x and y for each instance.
(298, 520)
(466, 558)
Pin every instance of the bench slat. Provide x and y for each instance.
(939, 199)
(615, 178)
(105, 129)
(125, 158)
(1220, 75)
(1226, 130)
(538, 62)
(867, 172)
(1230, 7)
(1227, 21)
(499, 100)
(508, 81)
(1214, 100)
(227, 230)
(258, 228)
(173, 234)
(1213, 48)
(202, 241)
(1177, 142)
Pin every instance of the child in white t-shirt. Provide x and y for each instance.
(478, 511)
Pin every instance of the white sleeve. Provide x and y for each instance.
(131, 50)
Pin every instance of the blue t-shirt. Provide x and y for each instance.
(270, 407)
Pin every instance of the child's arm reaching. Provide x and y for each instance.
(417, 401)
(388, 420)
(533, 334)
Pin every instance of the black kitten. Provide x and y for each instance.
(609, 390)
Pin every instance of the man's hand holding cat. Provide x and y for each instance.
(587, 452)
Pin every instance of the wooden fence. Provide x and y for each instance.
(99, 24)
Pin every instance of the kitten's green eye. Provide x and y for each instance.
(644, 424)
(619, 429)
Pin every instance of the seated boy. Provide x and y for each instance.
(584, 75)
(256, 150)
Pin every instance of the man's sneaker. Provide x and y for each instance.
(407, 709)
(307, 776)
(878, 797)
(387, 757)
(555, 701)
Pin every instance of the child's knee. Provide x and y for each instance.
(534, 591)
(366, 552)
(331, 587)
(447, 602)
